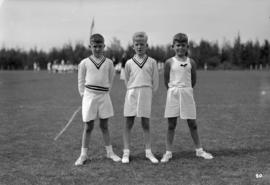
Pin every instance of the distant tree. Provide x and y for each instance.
(32, 57)
(238, 55)
(169, 51)
(194, 52)
(265, 53)
(226, 53)
(226, 56)
(54, 55)
(208, 53)
(237, 51)
(256, 54)
(3, 59)
(250, 54)
(67, 53)
(40, 57)
(80, 52)
(213, 62)
(158, 52)
(129, 50)
(115, 50)
(204, 53)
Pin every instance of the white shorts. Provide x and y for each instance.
(96, 105)
(138, 102)
(180, 102)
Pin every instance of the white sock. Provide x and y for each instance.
(84, 151)
(126, 151)
(148, 151)
(199, 149)
(109, 149)
(168, 152)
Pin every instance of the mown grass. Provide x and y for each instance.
(233, 119)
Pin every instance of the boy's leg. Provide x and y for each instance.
(106, 137)
(127, 129)
(126, 138)
(172, 122)
(195, 136)
(88, 127)
(105, 131)
(147, 140)
(194, 132)
(146, 131)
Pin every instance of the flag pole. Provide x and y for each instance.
(92, 26)
(68, 123)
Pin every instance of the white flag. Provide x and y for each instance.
(92, 26)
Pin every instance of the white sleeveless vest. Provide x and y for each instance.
(180, 73)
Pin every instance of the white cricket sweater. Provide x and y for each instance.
(141, 72)
(95, 74)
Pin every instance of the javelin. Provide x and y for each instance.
(68, 123)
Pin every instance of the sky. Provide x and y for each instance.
(44, 24)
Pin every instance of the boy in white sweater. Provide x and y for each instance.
(95, 77)
(141, 78)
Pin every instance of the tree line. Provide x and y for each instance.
(237, 55)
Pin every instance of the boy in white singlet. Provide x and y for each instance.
(141, 78)
(180, 78)
(95, 77)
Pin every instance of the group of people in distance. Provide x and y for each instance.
(95, 77)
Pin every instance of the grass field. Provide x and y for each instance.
(233, 119)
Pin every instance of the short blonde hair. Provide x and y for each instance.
(140, 36)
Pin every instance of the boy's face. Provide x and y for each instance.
(180, 48)
(97, 48)
(140, 47)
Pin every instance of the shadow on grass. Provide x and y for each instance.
(229, 152)
(223, 152)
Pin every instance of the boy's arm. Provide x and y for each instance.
(155, 76)
(127, 73)
(167, 69)
(81, 77)
(193, 72)
(111, 74)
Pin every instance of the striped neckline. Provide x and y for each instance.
(98, 65)
(138, 63)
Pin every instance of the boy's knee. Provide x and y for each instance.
(192, 124)
(129, 126)
(89, 126)
(172, 124)
(103, 125)
(145, 125)
(129, 122)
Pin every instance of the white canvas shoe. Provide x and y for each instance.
(81, 160)
(113, 156)
(166, 157)
(151, 157)
(125, 158)
(203, 154)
